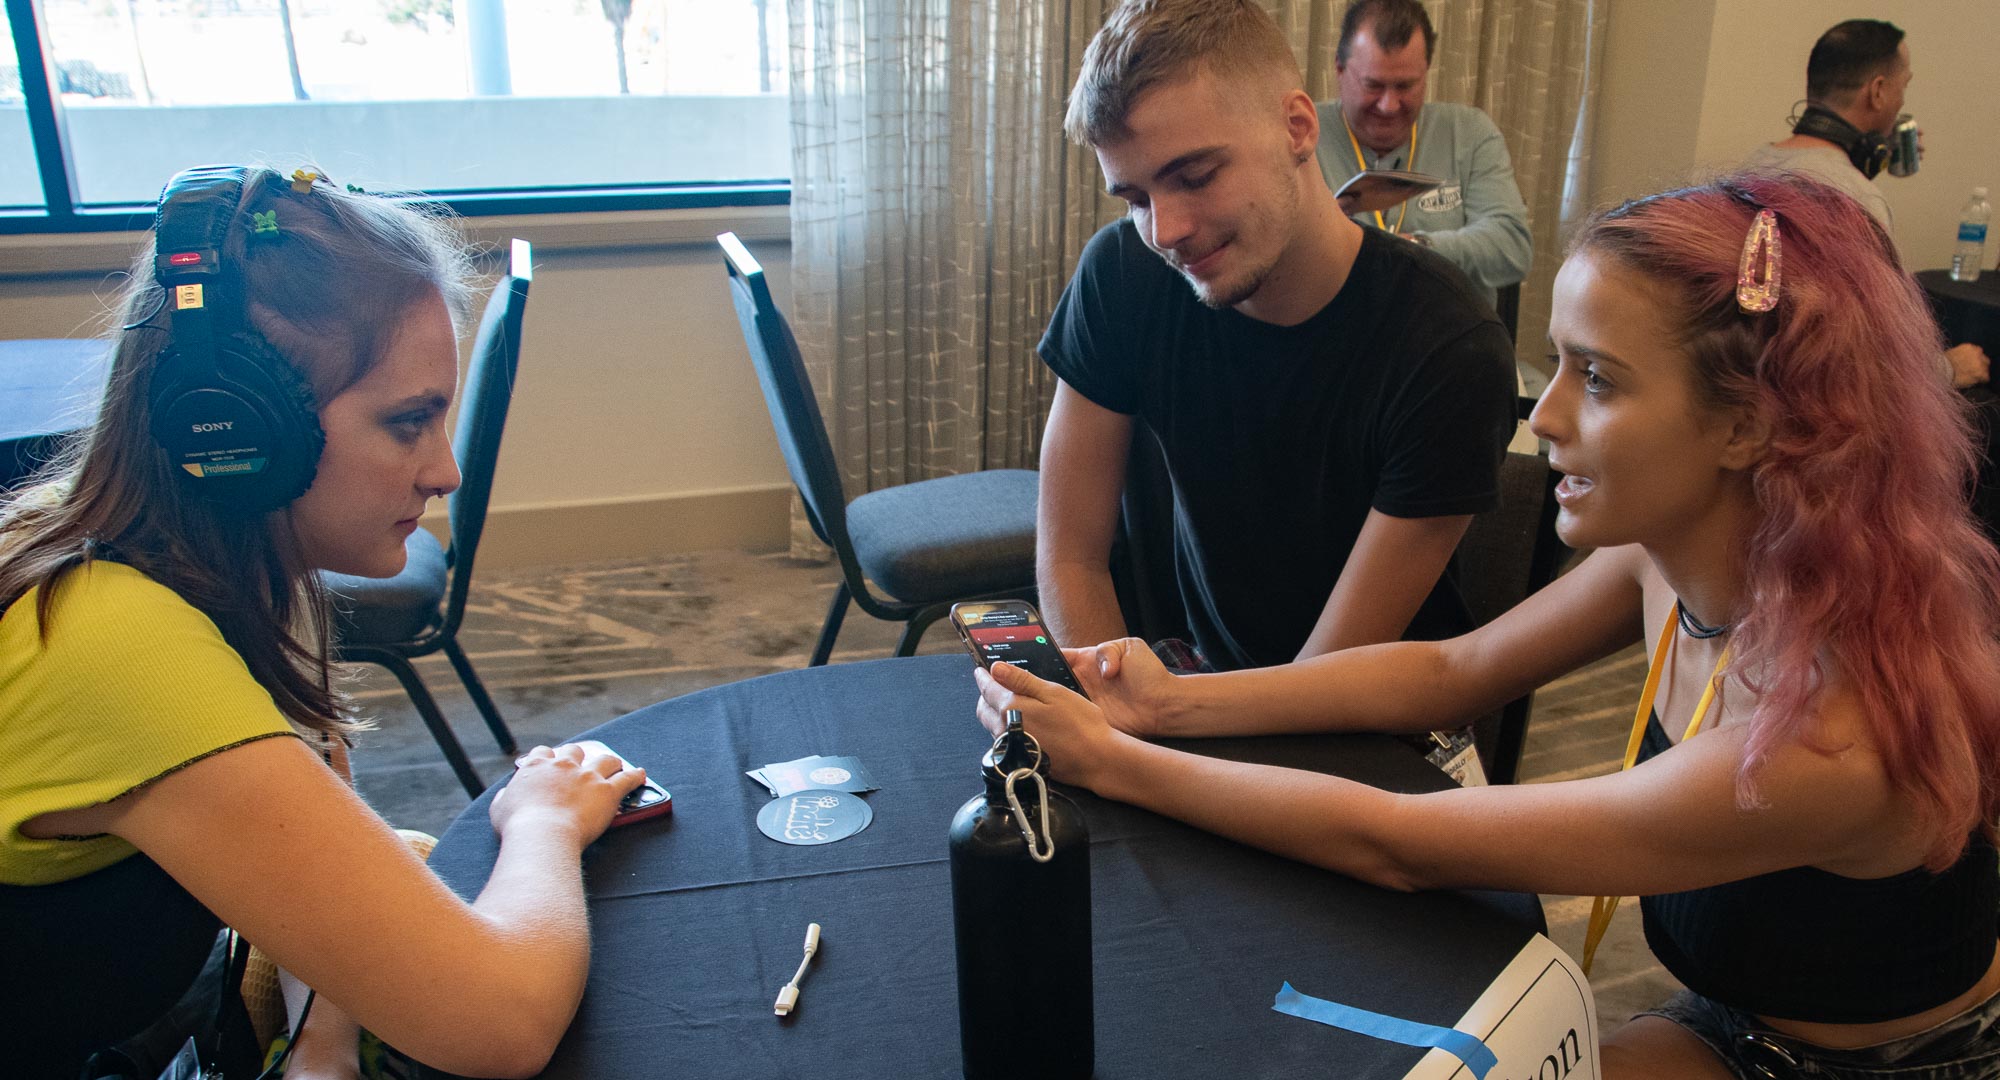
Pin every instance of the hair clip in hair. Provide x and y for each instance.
(355, 189)
(302, 180)
(263, 223)
(1756, 296)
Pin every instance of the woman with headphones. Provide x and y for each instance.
(1775, 488)
(172, 742)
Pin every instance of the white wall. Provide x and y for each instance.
(1691, 86)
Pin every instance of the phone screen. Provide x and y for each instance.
(1012, 630)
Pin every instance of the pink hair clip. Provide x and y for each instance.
(1753, 296)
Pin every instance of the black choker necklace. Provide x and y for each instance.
(1693, 627)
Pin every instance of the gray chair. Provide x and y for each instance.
(391, 621)
(925, 545)
(1506, 555)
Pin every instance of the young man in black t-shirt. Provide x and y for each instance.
(1332, 403)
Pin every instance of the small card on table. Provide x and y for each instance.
(837, 773)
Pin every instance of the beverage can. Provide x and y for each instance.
(1904, 157)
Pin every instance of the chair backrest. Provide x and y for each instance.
(788, 395)
(1510, 552)
(482, 417)
(1506, 555)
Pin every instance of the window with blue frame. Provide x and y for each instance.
(492, 105)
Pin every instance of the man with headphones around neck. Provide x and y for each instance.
(1855, 82)
(1856, 79)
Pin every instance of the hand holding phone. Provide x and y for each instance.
(648, 800)
(1012, 630)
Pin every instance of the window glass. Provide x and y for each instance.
(20, 185)
(437, 95)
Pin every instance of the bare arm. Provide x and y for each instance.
(273, 842)
(1393, 567)
(1084, 453)
(1588, 613)
(1670, 825)
(1674, 823)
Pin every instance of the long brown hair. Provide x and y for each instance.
(328, 291)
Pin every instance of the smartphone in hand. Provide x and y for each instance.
(648, 800)
(1012, 630)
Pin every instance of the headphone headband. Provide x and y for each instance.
(1868, 151)
(196, 209)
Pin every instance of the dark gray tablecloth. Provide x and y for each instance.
(698, 919)
(49, 387)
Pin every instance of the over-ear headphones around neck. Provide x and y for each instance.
(1867, 150)
(236, 419)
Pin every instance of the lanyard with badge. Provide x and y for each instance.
(1603, 907)
(1362, 164)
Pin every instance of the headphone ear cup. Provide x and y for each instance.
(1870, 154)
(248, 440)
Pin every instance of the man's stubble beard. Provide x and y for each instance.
(1283, 219)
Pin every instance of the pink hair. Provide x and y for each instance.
(1866, 564)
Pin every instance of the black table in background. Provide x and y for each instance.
(1969, 311)
(698, 919)
(1966, 310)
(49, 388)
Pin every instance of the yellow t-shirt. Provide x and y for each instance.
(130, 684)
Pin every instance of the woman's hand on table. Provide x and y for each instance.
(578, 790)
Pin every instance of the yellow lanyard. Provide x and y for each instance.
(1603, 907)
(1410, 165)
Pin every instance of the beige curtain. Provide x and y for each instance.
(937, 209)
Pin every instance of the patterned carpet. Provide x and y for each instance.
(564, 649)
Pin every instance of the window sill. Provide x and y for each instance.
(45, 255)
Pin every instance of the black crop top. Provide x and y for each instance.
(1805, 944)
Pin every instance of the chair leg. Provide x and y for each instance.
(836, 613)
(480, 698)
(913, 631)
(420, 696)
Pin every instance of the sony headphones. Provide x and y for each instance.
(236, 419)
(1868, 151)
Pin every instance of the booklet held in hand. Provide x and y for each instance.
(1380, 189)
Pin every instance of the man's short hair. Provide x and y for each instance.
(1847, 56)
(1389, 22)
(1145, 43)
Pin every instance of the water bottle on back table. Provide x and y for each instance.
(1971, 250)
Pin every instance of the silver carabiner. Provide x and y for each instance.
(1045, 850)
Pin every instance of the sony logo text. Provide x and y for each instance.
(222, 426)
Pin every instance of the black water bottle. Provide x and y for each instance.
(1020, 901)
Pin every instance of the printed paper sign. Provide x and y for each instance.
(1538, 1018)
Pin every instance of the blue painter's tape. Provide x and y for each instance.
(1466, 1048)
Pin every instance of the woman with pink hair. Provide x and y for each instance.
(1774, 486)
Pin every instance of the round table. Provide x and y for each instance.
(698, 919)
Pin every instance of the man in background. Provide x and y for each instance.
(1476, 220)
(1856, 79)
